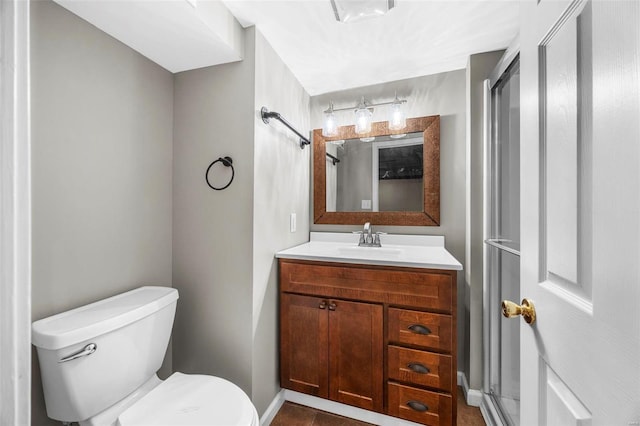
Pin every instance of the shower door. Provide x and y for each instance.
(502, 246)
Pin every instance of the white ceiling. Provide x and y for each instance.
(416, 38)
(178, 35)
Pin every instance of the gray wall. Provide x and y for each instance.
(478, 69)
(213, 230)
(281, 187)
(442, 94)
(224, 241)
(101, 168)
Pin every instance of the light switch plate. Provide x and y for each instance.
(292, 222)
(366, 204)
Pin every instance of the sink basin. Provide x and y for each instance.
(416, 251)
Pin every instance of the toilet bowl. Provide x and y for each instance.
(192, 400)
(99, 363)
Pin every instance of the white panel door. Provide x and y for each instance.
(580, 212)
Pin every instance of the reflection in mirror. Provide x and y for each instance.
(381, 175)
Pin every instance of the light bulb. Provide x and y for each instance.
(330, 125)
(363, 118)
(397, 119)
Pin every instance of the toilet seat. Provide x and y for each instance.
(192, 399)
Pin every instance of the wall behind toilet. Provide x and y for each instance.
(224, 241)
(212, 230)
(102, 123)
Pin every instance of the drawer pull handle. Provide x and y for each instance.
(419, 329)
(332, 306)
(416, 367)
(322, 304)
(417, 406)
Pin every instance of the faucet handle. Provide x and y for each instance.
(376, 238)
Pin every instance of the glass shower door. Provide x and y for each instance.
(502, 248)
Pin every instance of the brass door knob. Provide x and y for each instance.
(527, 310)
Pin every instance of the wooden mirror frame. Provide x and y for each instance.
(429, 216)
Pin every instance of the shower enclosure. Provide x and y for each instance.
(502, 243)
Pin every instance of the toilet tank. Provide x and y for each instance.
(130, 332)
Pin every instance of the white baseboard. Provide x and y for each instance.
(272, 409)
(473, 397)
(477, 398)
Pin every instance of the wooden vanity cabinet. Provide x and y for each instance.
(332, 349)
(376, 337)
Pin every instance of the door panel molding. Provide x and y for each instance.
(565, 138)
(559, 404)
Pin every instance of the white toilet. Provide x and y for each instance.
(99, 365)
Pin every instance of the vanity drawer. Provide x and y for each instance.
(420, 329)
(420, 367)
(426, 288)
(417, 405)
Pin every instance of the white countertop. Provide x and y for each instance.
(415, 251)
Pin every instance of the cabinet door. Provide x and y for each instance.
(303, 344)
(356, 354)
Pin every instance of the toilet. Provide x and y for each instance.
(99, 362)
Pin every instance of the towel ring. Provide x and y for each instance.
(227, 162)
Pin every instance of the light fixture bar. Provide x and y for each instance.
(363, 115)
(368, 105)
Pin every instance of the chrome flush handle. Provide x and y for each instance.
(87, 350)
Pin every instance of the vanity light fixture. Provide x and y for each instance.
(364, 112)
(348, 11)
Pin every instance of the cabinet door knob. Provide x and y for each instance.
(332, 306)
(322, 304)
(417, 406)
(416, 367)
(419, 329)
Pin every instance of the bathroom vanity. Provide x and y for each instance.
(371, 327)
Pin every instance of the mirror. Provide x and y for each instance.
(381, 177)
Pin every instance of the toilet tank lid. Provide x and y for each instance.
(95, 319)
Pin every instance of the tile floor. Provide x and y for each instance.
(298, 415)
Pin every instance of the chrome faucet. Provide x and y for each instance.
(367, 238)
(366, 232)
